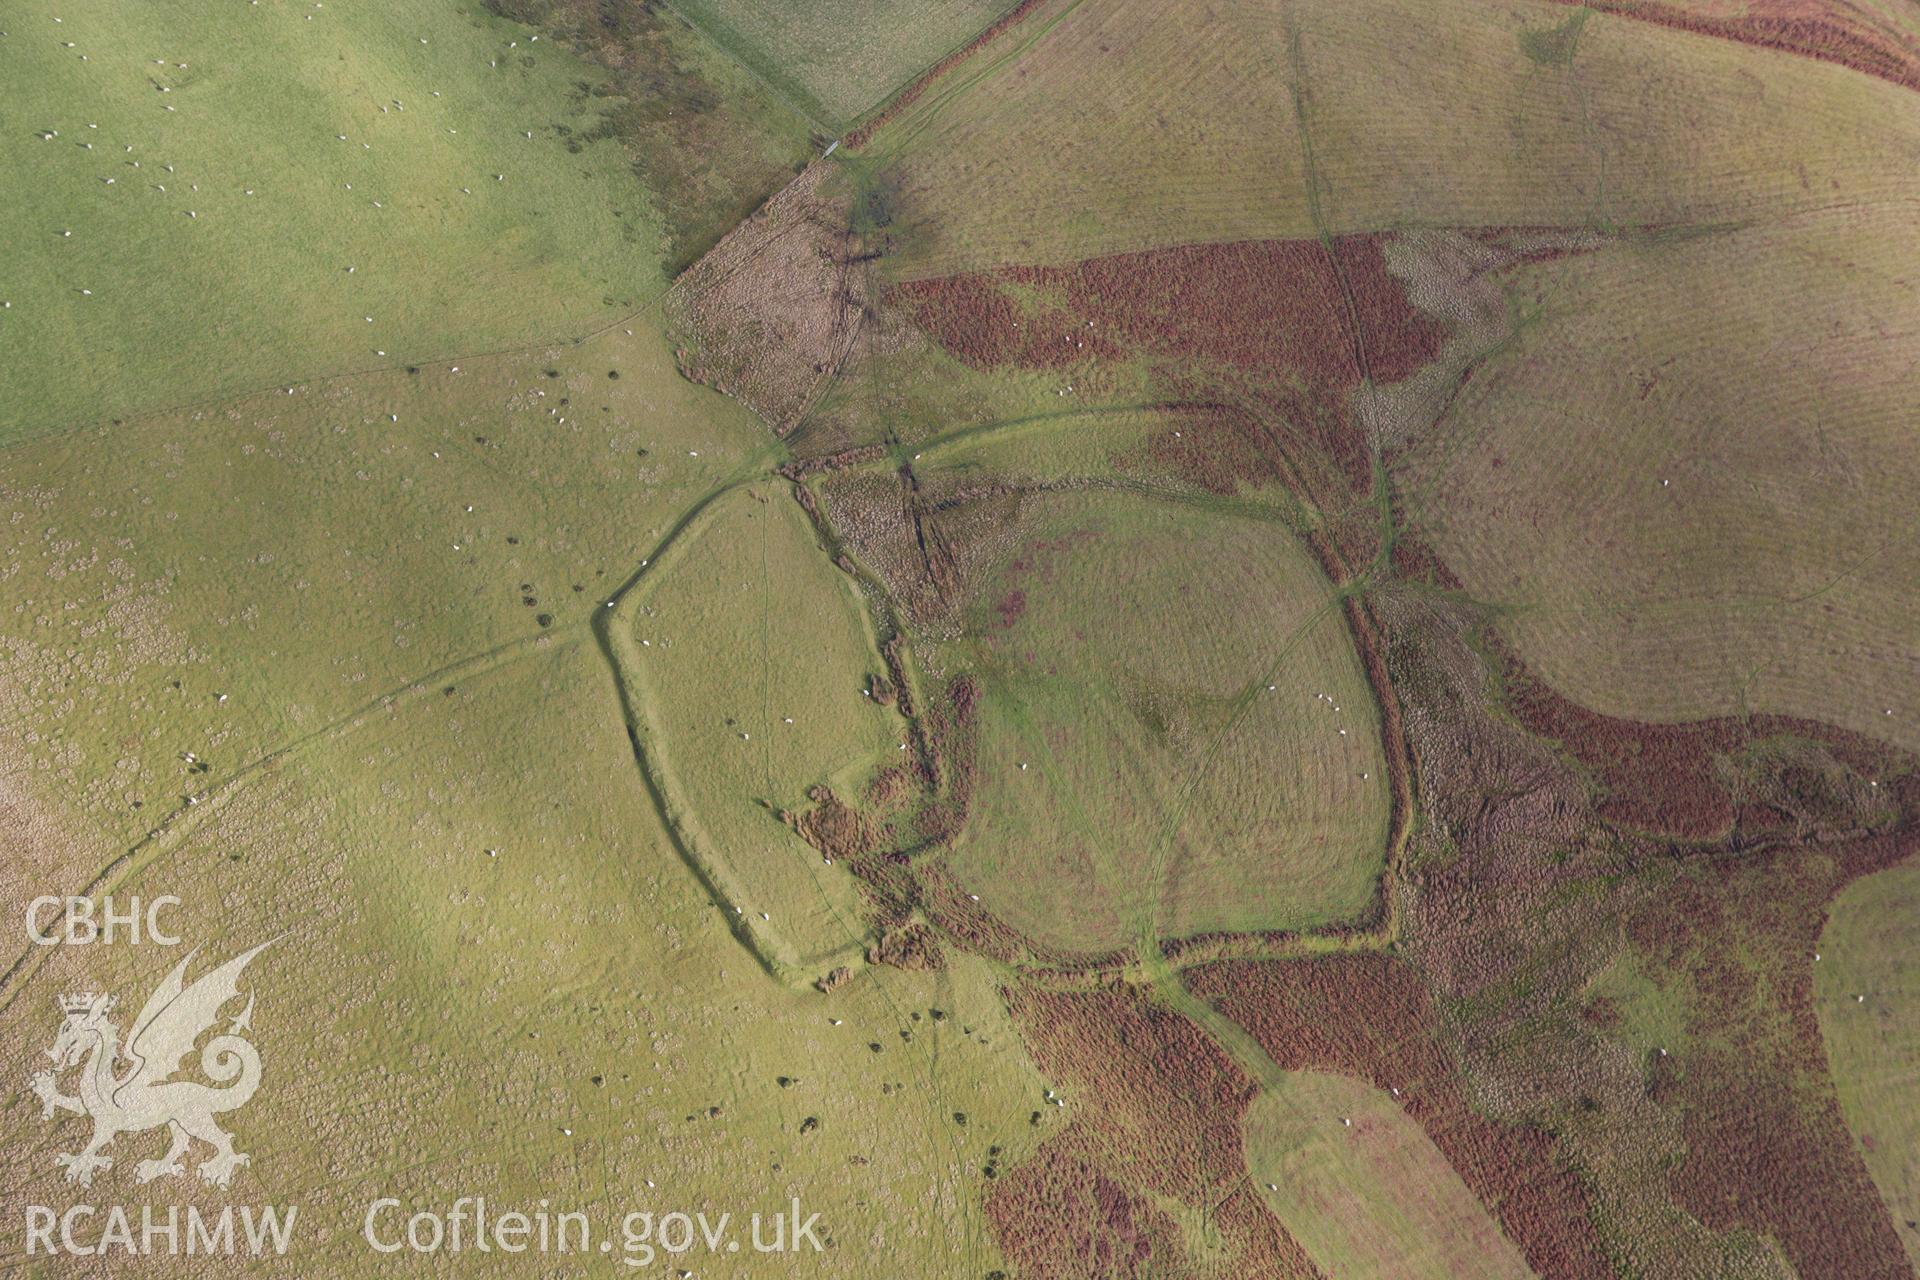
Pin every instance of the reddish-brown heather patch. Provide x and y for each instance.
(1292, 325)
(1670, 779)
(1763, 1155)
(1251, 1232)
(1267, 305)
(1602, 1012)
(1414, 561)
(1274, 306)
(1151, 1079)
(911, 946)
(1158, 1110)
(974, 317)
(810, 505)
(1368, 1016)
(1767, 1146)
(1059, 1217)
(1219, 448)
(1828, 30)
(835, 828)
(891, 653)
(889, 788)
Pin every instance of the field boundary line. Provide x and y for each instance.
(145, 417)
(726, 50)
(177, 825)
(915, 83)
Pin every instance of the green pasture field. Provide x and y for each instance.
(751, 657)
(192, 593)
(494, 976)
(1177, 734)
(1873, 1044)
(325, 662)
(348, 188)
(1363, 1189)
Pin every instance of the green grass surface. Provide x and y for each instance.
(322, 661)
(568, 1019)
(752, 654)
(1873, 1044)
(1653, 1018)
(1127, 649)
(709, 140)
(462, 233)
(1367, 1193)
(177, 588)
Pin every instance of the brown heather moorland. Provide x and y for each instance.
(1158, 1108)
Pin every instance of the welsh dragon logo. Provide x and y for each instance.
(124, 1086)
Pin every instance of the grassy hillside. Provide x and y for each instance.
(1137, 779)
(1665, 518)
(565, 1017)
(206, 202)
(1865, 991)
(750, 659)
(179, 590)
